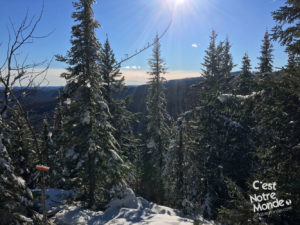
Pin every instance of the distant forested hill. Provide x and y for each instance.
(180, 97)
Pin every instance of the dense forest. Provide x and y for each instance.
(225, 145)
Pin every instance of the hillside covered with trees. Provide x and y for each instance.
(223, 147)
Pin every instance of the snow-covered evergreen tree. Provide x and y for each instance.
(15, 196)
(276, 118)
(93, 164)
(51, 157)
(57, 159)
(121, 118)
(266, 59)
(21, 146)
(158, 131)
(173, 172)
(216, 144)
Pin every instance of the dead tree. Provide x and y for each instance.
(18, 78)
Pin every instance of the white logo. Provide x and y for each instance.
(266, 200)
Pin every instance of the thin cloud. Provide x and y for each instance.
(194, 45)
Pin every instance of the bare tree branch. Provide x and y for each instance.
(15, 73)
(137, 52)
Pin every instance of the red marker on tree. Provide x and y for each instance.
(43, 168)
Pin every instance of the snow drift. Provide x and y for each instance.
(126, 211)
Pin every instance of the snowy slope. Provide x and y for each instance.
(126, 211)
(146, 213)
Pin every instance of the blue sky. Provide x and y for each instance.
(130, 24)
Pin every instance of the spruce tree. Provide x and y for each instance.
(218, 145)
(276, 117)
(227, 61)
(274, 114)
(51, 157)
(92, 159)
(20, 146)
(174, 167)
(288, 35)
(246, 66)
(218, 64)
(226, 66)
(211, 60)
(57, 159)
(121, 118)
(15, 196)
(245, 80)
(293, 62)
(158, 130)
(266, 58)
(113, 81)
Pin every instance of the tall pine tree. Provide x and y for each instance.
(245, 82)
(158, 130)
(121, 118)
(15, 196)
(93, 164)
(227, 61)
(212, 58)
(266, 59)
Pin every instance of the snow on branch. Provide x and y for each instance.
(226, 97)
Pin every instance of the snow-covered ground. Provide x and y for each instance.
(126, 211)
(54, 198)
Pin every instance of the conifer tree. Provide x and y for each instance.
(288, 35)
(217, 142)
(246, 66)
(20, 146)
(211, 60)
(226, 66)
(50, 157)
(275, 118)
(15, 196)
(213, 80)
(121, 118)
(218, 64)
(293, 62)
(245, 82)
(227, 61)
(57, 159)
(174, 167)
(113, 81)
(266, 58)
(92, 160)
(158, 130)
